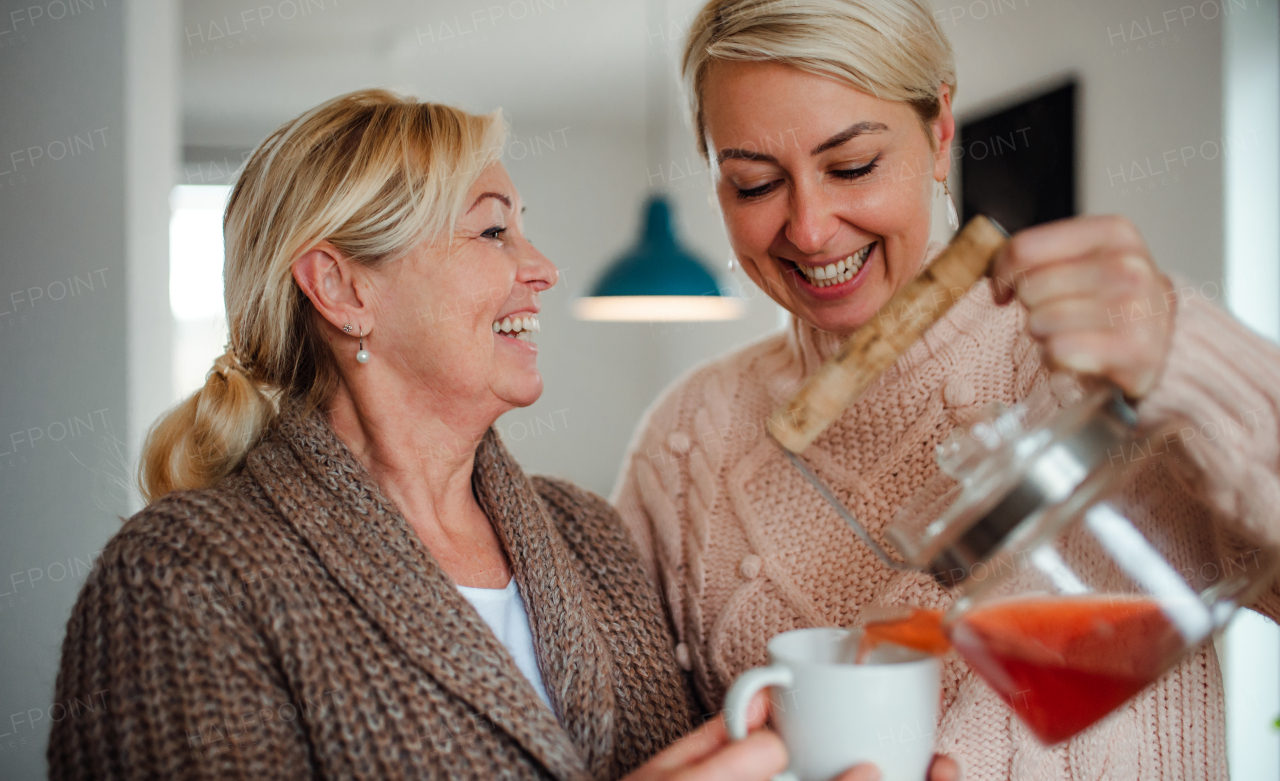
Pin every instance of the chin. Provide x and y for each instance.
(842, 320)
(524, 393)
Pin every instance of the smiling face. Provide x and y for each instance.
(457, 315)
(825, 190)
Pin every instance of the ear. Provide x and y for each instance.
(335, 288)
(944, 130)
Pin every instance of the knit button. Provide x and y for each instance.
(958, 392)
(679, 442)
(682, 657)
(750, 566)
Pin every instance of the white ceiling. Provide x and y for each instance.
(542, 61)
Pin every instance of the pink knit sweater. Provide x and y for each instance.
(743, 548)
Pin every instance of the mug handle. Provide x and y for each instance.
(743, 689)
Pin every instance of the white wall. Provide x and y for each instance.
(81, 283)
(153, 139)
(63, 279)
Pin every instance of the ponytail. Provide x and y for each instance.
(201, 440)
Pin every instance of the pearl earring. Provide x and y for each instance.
(953, 218)
(362, 355)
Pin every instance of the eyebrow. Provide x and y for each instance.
(499, 196)
(744, 154)
(853, 131)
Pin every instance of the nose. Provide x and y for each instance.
(536, 270)
(812, 221)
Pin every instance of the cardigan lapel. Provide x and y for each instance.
(575, 660)
(370, 550)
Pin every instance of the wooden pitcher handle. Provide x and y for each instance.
(878, 343)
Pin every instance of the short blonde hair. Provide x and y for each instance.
(370, 172)
(892, 49)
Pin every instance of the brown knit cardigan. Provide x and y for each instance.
(288, 623)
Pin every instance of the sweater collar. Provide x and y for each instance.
(574, 659)
(368, 547)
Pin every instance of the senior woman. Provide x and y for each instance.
(342, 572)
(827, 125)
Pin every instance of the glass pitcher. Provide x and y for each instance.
(1064, 606)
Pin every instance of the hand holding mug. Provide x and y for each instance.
(707, 753)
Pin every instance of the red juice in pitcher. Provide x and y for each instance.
(1019, 505)
(1064, 662)
(1061, 662)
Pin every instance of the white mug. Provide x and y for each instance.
(832, 716)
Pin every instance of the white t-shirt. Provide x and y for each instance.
(503, 610)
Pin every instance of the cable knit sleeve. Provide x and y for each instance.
(1225, 380)
(162, 677)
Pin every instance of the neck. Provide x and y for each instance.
(421, 453)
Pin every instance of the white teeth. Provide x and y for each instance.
(838, 272)
(519, 327)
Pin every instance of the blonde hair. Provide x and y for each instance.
(891, 49)
(370, 172)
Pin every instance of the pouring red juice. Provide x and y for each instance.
(1061, 662)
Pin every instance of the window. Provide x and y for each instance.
(195, 283)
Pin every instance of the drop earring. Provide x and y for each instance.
(953, 218)
(362, 355)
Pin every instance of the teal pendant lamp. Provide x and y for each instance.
(657, 280)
